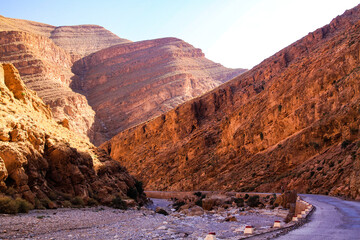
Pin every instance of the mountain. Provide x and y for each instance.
(103, 84)
(41, 160)
(133, 82)
(79, 40)
(290, 122)
(46, 69)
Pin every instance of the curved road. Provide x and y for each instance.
(333, 219)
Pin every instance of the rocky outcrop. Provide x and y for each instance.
(290, 122)
(46, 69)
(78, 40)
(131, 83)
(41, 159)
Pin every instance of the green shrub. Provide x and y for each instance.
(38, 204)
(253, 201)
(53, 196)
(118, 203)
(10, 206)
(10, 191)
(66, 204)
(246, 196)
(92, 202)
(139, 186)
(239, 202)
(198, 202)
(23, 205)
(279, 107)
(77, 201)
(45, 202)
(132, 193)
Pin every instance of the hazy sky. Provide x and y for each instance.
(235, 33)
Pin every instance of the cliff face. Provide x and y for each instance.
(40, 158)
(292, 121)
(79, 40)
(131, 83)
(46, 69)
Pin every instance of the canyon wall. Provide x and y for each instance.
(291, 122)
(133, 82)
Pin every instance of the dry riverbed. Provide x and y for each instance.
(108, 223)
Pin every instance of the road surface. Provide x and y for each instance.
(333, 219)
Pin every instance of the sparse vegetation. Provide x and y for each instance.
(78, 201)
(132, 192)
(239, 202)
(9, 205)
(92, 202)
(253, 201)
(118, 203)
(66, 204)
(279, 107)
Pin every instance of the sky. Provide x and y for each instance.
(235, 33)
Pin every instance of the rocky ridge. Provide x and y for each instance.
(42, 160)
(290, 122)
(133, 82)
(80, 40)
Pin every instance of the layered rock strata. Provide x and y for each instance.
(80, 40)
(131, 83)
(290, 122)
(46, 69)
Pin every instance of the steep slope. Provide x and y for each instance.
(292, 121)
(78, 40)
(130, 83)
(40, 158)
(46, 69)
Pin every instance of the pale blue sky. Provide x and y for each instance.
(235, 33)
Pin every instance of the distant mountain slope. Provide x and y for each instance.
(292, 121)
(130, 83)
(78, 40)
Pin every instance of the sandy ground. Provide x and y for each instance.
(108, 223)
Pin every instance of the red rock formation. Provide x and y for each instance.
(78, 40)
(40, 159)
(131, 83)
(46, 69)
(292, 121)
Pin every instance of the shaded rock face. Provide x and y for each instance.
(131, 83)
(40, 158)
(289, 123)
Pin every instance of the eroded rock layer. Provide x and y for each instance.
(131, 83)
(41, 159)
(78, 40)
(46, 69)
(290, 122)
